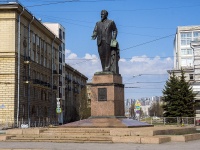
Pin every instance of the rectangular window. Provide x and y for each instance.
(63, 35)
(33, 37)
(60, 34)
(191, 76)
(186, 38)
(196, 35)
(187, 51)
(63, 47)
(187, 62)
(63, 57)
(45, 60)
(36, 59)
(37, 41)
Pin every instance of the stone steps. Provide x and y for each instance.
(101, 135)
(62, 139)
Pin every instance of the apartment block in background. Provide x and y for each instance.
(76, 104)
(187, 57)
(59, 31)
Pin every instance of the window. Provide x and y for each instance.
(42, 43)
(60, 34)
(186, 38)
(191, 76)
(63, 57)
(45, 60)
(63, 46)
(196, 35)
(36, 59)
(37, 41)
(187, 51)
(33, 37)
(63, 92)
(45, 45)
(63, 35)
(187, 62)
(42, 60)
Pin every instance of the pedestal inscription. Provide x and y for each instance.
(102, 94)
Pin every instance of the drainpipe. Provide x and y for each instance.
(19, 51)
(52, 65)
(29, 73)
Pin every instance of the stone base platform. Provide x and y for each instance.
(106, 122)
(145, 135)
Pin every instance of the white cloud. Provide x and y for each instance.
(137, 65)
(94, 59)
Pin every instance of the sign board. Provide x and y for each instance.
(58, 110)
(137, 105)
(102, 94)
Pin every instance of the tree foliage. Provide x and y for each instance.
(179, 99)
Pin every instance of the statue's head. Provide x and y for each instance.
(104, 15)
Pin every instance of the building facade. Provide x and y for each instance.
(76, 104)
(33, 73)
(187, 57)
(29, 60)
(59, 31)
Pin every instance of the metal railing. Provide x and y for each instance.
(24, 123)
(179, 121)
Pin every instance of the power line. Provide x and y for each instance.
(140, 9)
(147, 42)
(67, 1)
(145, 82)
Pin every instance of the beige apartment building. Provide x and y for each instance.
(33, 73)
(29, 67)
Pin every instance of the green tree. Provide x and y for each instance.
(187, 97)
(178, 97)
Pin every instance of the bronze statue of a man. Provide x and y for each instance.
(105, 31)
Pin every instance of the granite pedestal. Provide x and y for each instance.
(107, 104)
(107, 96)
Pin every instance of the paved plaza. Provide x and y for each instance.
(194, 145)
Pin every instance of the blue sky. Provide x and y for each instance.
(146, 30)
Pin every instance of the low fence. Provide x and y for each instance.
(23, 123)
(179, 121)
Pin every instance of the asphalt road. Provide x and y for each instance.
(192, 145)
